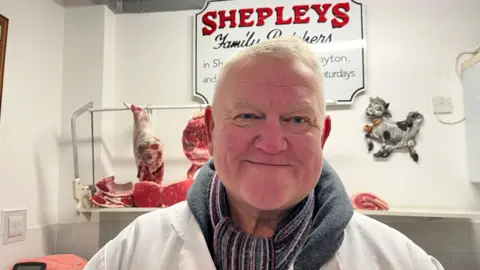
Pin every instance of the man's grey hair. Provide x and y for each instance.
(286, 47)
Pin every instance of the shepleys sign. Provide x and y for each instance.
(334, 29)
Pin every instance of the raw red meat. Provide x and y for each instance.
(147, 149)
(195, 143)
(369, 201)
(175, 193)
(110, 188)
(110, 194)
(126, 201)
(147, 194)
(98, 199)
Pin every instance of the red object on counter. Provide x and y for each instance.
(59, 262)
(369, 201)
(147, 194)
(176, 192)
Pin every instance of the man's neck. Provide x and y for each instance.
(254, 221)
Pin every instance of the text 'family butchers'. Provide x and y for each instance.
(250, 17)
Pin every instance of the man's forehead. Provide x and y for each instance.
(240, 89)
(281, 81)
(271, 70)
(264, 96)
(300, 104)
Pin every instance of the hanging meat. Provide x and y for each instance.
(147, 149)
(195, 142)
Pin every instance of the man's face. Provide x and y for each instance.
(266, 132)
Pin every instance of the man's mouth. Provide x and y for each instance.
(267, 164)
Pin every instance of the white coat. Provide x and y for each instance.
(170, 239)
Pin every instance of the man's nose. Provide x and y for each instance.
(271, 138)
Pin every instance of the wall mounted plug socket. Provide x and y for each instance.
(442, 104)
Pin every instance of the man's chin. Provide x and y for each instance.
(267, 202)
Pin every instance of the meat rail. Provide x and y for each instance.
(82, 192)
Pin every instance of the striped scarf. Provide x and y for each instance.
(238, 250)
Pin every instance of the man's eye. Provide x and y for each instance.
(298, 120)
(246, 116)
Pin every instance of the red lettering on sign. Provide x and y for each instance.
(280, 19)
(263, 14)
(208, 19)
(298, 12)
(244, 16)
(227, 18)
(302, 14)
(340, 12)
(321, 10)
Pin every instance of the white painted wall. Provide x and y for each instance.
(30, 122)
(147, 59)
(153, 65)
(86, 77)
(409, 60)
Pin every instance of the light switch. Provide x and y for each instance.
(15, 226)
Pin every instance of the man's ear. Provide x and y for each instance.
(209, 124)
(326, 130)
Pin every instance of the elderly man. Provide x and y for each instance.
(268, 200)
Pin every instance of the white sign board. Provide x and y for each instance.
(334, 28)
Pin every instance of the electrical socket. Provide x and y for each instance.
(442, 104)
(14, 225)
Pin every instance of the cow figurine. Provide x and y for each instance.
(392, 135)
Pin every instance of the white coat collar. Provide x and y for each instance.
(194, 253)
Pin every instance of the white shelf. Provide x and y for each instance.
(117, 210)
(424, 213)
(394, 212)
